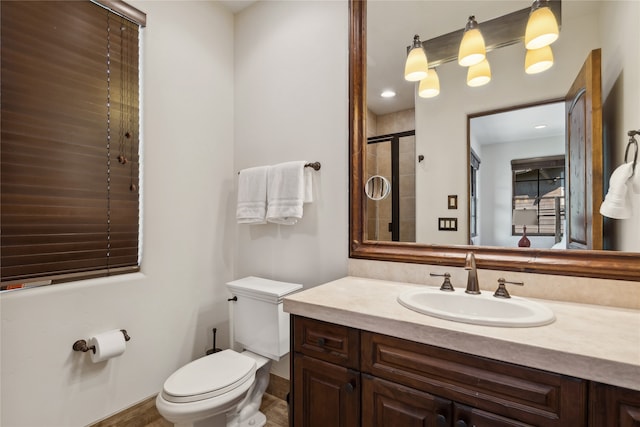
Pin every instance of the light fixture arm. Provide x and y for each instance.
(537, 4)
(471, 23)
(416, 42)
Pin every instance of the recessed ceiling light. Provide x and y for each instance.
(388, 94)
(540, 126)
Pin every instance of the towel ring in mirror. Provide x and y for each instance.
(377, 187)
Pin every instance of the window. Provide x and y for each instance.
(539, 184)
(69, 147)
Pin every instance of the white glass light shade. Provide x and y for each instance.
(479, 74)
(416, 67)
(538, 60)
(472, 49)
(430, 85)
(542, 29)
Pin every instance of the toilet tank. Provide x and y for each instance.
(260, 324)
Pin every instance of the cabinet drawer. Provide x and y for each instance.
(326, 341)
(516, 392)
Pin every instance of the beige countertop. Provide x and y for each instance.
(586, 341)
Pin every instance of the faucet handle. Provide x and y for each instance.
(501, 292)
(446, 285)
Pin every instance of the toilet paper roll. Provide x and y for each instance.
(107, 345)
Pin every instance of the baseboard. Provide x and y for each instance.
(278, 387)
(138, 415)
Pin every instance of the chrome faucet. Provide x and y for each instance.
(472, 279)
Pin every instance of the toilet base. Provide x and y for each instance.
(257, 420)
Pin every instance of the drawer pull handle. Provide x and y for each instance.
(441, 421)
(461, 423)
(321, 342)
(350, 387)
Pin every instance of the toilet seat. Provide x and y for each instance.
(209, 376)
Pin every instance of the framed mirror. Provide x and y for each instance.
(573, 262)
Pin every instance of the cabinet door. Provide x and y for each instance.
(465, 416)
(324, 394)
(385, 404)
(611, 406)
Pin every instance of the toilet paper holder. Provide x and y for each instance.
(81, 345)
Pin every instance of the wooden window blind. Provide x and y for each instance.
(70, 112)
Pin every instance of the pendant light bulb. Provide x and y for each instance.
(538, 60)
(429, 86)
(415, 69)
(479, 74)
(542, 27)
(472, 49)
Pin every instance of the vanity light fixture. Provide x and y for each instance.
(479, 74)
(388, 93)
(542, 26)
(538, 60)
(429, 86)
(472, 48)
(416, 66)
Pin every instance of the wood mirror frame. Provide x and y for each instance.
(599, 264)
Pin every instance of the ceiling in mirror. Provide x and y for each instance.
(392, 25)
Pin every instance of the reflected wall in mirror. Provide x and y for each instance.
(441, 123)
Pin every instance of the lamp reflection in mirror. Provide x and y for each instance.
(542, 27)
(429, 86)
(416, 66)
(538, 60)
(525, 217)
(479, 74)
(472, 48)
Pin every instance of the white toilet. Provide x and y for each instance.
(226, 388)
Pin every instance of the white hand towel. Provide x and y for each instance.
(616, 203)
(635, 180)
(308, 185)
(252, 195)
(286, 190)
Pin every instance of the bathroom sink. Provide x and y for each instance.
(482, 309)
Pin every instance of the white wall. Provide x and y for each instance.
(291, 103)
(170, 307)
(495, 178)
(441, 122)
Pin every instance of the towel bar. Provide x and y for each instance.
(632, 140)
(314, 165)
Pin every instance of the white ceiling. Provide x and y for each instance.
(236, 6)
(519, 125)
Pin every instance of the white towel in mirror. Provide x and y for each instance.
(252, 195)
(617, 202)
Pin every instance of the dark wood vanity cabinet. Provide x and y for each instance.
(346, 377)
(613, 406)
(325, 374)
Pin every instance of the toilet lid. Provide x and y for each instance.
(209, 376)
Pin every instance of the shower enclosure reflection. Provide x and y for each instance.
(393, 156)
